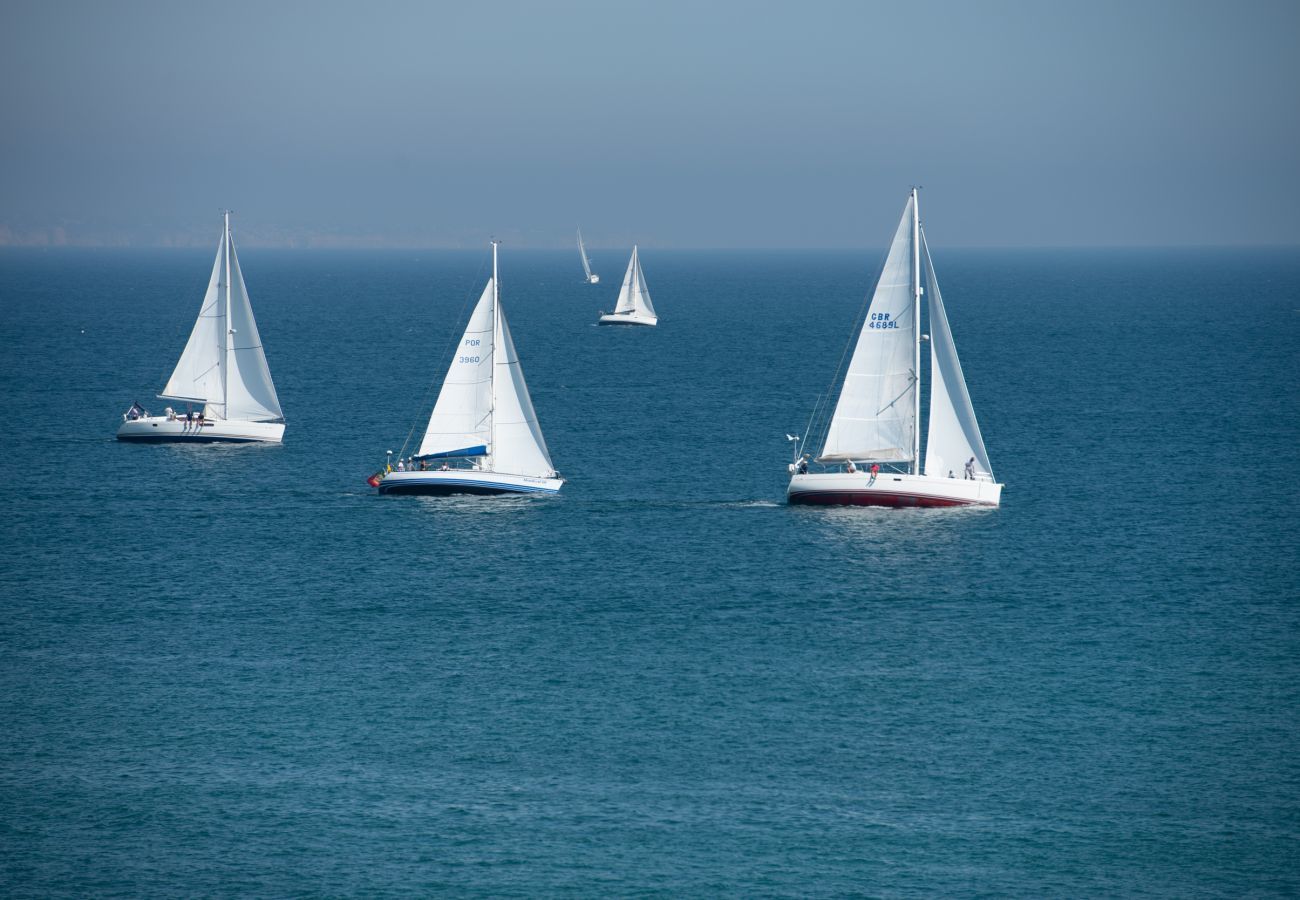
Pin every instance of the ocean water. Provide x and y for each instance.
(238, 670)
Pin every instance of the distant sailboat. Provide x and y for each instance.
(483, 436)
(877, 419)
(592, 277)
(222, 369)
(634, 306)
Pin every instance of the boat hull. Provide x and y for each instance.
(627, 319)
(890, 489)
(164, 430)
(466, 481)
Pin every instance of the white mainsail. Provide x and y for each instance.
(875, 418)
(484, 409)
(954, 434)
(582, 251)
(634, 296)
(461, 422)
(223, 364)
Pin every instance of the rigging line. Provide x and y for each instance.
(451, 343)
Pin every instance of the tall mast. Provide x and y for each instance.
(916, 321)
(496, 348)
(225, 349)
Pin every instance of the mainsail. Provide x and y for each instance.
(954, 435)
(875, 418)
(223, 364)
(461, 422)
(634, 296)
(582, 251)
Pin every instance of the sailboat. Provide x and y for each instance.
(592, 277)
(222, 370)
(634, 306)
(872, 450)
(482, 436)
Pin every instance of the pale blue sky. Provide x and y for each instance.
(721, 124)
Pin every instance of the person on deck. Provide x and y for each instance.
(970, 469)
(875, 470)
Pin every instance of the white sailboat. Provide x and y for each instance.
(222, 370)
(592, 277)
(872, 451)
(483, 436)
(634, 306)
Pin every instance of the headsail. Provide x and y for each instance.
(875, 418)
(519, 448)
(954, 435)
(634, 296)
(461, 421)
(250, 393)
(223, 364)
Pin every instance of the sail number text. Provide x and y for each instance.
(469, 342)
(882, 320)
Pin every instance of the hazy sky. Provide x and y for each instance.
(695, 124)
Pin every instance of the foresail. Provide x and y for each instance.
(875, 418)
(954, 435)
(462, 417)
(634, 296)
(197, 376)
(250, 393)
(520, 448)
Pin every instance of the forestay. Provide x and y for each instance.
(875, 418)
(634, 297)
(954, 435)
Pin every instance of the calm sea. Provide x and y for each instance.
(238, 670)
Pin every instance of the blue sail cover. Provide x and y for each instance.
(480, 450)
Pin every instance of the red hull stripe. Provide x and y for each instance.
(873, 498)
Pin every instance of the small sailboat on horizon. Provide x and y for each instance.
(871, 455)
(634, 306)
(483, 436)
(222, 370)
(592, 277)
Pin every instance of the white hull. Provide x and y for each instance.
(627, 319)
(161, 429)
(466, 481)
(890, 489)
(593, 279)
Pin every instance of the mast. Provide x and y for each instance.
(916, 321)
(496, 348)
(225, 348)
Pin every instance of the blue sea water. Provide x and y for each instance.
(238, 670)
